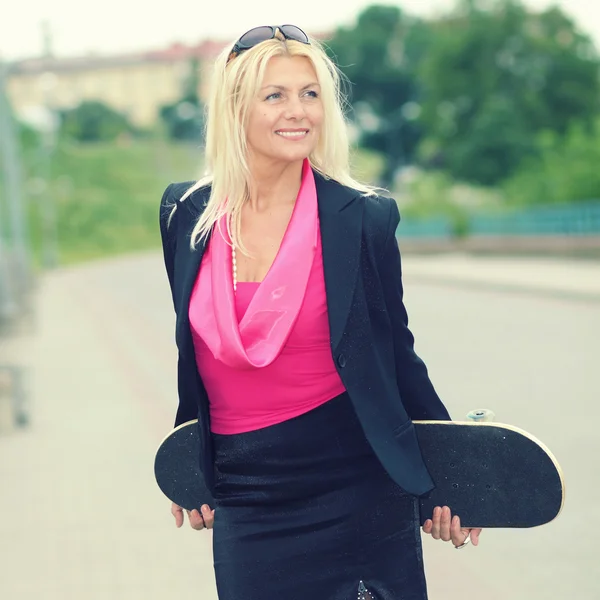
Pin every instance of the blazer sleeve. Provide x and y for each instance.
(419, 397)
(186, 409)
(167, 234)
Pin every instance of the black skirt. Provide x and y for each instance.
(305, 511)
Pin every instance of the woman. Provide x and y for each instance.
(294, 350)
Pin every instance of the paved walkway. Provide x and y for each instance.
(80, 515)
(553, 277)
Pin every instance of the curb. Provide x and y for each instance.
(588, 297)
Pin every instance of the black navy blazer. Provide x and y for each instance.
(371, 344)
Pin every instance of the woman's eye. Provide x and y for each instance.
(273, 96)
(312, 94)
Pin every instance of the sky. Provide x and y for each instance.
(120, 26)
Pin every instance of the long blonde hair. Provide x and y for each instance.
(234, 86)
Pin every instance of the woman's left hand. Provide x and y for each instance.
(445, 527)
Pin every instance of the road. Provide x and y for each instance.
(81, 516)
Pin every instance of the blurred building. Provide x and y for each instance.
(137, 85)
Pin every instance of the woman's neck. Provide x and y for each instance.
(274, 185)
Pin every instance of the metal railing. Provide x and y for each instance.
(578, 219)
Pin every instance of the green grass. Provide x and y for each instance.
(107, 195)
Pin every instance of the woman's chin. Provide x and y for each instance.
(295, 154)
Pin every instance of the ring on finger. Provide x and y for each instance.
(465, 543)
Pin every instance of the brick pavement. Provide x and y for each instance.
(80, 515)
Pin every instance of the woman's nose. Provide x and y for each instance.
(295, 109)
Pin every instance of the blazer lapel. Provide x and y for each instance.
(340, 216)
(188, 262)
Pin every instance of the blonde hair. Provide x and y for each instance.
(234, 86)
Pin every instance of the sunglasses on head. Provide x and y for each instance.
(266, 32)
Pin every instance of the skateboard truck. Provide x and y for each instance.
(481, 415)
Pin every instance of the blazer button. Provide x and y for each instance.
(341, 360)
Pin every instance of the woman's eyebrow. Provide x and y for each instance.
(283, 88)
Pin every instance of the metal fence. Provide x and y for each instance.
(578, 219)
(15, 257)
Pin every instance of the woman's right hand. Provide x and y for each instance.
(204, 519)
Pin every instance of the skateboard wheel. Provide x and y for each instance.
(480, 415)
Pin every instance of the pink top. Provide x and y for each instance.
(302, 377)
(258, 339)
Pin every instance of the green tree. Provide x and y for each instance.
(495, 75)
(93, 121)
(184, 119)
(378, 55)
(565, 170)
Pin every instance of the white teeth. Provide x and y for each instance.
(291, 133)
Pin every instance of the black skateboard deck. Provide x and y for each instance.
(490, 474)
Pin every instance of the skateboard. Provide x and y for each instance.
(491, 474)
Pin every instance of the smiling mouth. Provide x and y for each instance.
(293, 134)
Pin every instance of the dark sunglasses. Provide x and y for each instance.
(266, 32)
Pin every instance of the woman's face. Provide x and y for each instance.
(285, 118)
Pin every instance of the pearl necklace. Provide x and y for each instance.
(234, 268)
